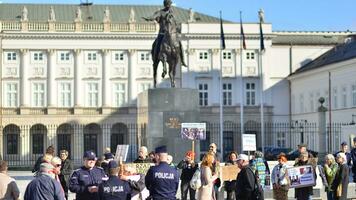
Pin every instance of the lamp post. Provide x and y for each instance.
(301, 125)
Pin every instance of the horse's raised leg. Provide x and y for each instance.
(172, 74)
(164, 63)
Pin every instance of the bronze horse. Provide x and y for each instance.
(169, 51)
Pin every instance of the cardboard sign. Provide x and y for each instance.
(193, 131)
(301, 176)
(121, 152)
(229, 172)
(249, 142)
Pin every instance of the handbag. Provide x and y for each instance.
(339, 190)
(195, 182)
(258, 190)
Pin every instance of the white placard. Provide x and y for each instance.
(193, 131)
(249, 142)
(121, 151)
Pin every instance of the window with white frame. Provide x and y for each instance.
(301, 105)
(227, 94)
(344, 97)
(353, 95)
(250, 94)
(335, 97)
(119, 56)
(250, 55)
(37, 56)
(145, 56)
(326, 97)
(311, 102)
(11, 92)
(203, 55)
(11, 56)
(38, 94)
(91, 56)
(227, 55)
(203, 94)
(144, 86)
(281, 139)
(92, 94)
(119, 94)
(293, 103)
(65, 94)
(64, 56)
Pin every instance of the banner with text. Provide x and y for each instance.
(301, 176)
(249, 142)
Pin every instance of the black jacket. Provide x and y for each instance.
(342, 177)
(66, 171)
(43, 187)
(245, 184)
(188, 170)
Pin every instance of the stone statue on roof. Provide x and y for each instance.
(24, 14)
(78, 15)
(132, 16)
(52, 15)
(261, 15)
(191, 15)
(106, 14)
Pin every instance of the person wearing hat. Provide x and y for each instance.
(105, 163)
(114, 188)
(162, 180)
(188, 167)
(245, 181)
(344, 149)
(85, 180)
(44, 186)
(353, 159)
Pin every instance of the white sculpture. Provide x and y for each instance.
(24, 14)
(78, 14)
(52, 15)
(261, 15)
(191, 15)
(106, 14)
(132, 16)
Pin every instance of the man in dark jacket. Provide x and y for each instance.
(50, 152)
(353, 158)
(44, 186)
(66, 171)
(85, 180)
(188, 167)
(143, 156)
(245, 181)
(114, 188)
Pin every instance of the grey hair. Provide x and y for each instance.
(343, 156)
(330, 157)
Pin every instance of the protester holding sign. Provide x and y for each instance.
(188, 167)
(231, 184)
(304, 193)
(330, 170)
(280, 180)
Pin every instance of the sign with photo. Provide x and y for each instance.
(249, 142)
(193, 131)
(301, 176)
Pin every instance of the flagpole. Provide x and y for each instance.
(222, 46)
(241, 85)
(261, 88)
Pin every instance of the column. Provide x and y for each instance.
(24, 75)
(189, 81)
(215, 72)
(51, 83)
(78, 92)
(131, 72)
(105, 84)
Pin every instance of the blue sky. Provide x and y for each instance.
(285, 15)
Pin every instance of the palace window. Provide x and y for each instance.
(38, 56)
(11, 56)
(144, 86)
(145, 56)
(65, 95)
(227, 55)
(119, 94)
(227, 94)
(250, 94)
(91, 56)
(92, 94)
(250, 55)
(335, 97)
(203, 94)
(344, 97)
(64, 56)
(203, 55)
(353, 88)
(119, 56)
(11, 92)
(38, 94)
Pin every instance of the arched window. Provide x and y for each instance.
(91, 135)
(119, 135)
(38, 134)
(12, 139)
(64, 135)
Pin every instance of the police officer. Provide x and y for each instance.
(162, 180)
(114, 188)
(85, 180)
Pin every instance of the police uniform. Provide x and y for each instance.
(114, 188)
(83, 178)
(162, 180)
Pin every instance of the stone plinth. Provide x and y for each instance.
(163, 110)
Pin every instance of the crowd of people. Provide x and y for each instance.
(107, 179)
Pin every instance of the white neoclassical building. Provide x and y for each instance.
(70, 75)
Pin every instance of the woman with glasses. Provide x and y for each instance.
(66, 171)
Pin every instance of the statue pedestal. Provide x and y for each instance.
(163, 110)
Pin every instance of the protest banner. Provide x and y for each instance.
(121, 152)
(249, 142)
(229, 172)
(193, 131)
(301, 176)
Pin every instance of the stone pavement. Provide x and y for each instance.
(24, 177)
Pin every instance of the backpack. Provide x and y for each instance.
(195, 182)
